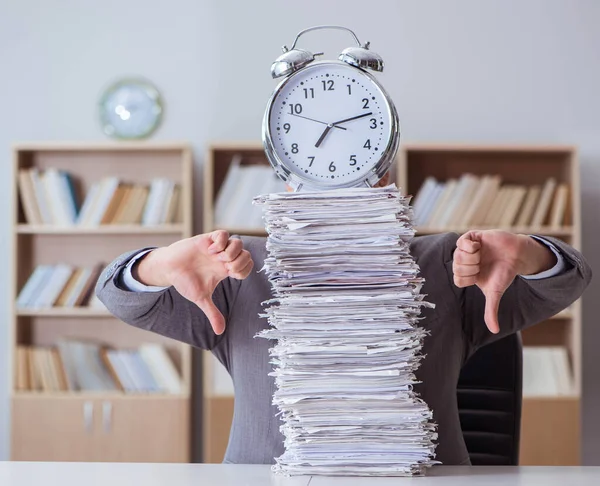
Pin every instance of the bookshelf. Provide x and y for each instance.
(105, 425)
(541, 443)
(550, 432)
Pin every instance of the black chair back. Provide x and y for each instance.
(489, 402)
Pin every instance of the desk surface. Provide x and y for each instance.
(105, 474)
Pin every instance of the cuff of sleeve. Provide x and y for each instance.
(556, 269)
(130, 283)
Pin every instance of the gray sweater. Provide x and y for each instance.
(456, 328)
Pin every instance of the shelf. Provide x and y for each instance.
(120, 146)
(245, 232)
(101, 395)
(553, 398)
(64, 312)
(566, 314)
(540, 230)
(100, 230)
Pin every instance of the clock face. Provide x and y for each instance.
(130, 109)
(330, 124)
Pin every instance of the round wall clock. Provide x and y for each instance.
(330, 124)
(130, 109)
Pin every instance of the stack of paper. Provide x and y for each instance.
(345, 316)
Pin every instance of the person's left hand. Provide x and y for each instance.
(492, 259)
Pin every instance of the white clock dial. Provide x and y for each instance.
(130, 109)
(330, 123)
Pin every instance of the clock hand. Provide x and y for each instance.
(323, 135)
(352, 118)
(312, 119)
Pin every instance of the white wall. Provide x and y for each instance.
(466, 70)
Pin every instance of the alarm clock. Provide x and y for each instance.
(130, 109)
(329, 124)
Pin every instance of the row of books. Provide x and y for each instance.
(233, 204)
(91, 367)
(473, 201)
(49, 197)
(546, 371)
(59, 285)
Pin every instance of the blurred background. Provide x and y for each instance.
(481, 74)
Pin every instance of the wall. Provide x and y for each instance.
(467, 70)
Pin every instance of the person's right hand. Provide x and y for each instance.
(195, 266)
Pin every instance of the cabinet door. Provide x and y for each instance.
(52, 429)
(144, 429)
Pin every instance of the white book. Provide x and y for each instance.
(441, 204)
(456, 201)
(89, 203)
(165, 203)
(562, 370)
(430, 203)
(472, 184)
(67, 197)
(227, 190)
(41, 197)
(115, 358)
(161, 367)
(239, 212)
(53, 287)
(33, 285)
(107, 190)
(539, 376)
(423, 194)
(50, 180)
(152, 208)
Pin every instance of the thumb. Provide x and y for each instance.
(217, 321)
(492, 304)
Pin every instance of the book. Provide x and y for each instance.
(515, 200)
(559, 205)
(28, 200)
(441, 203)
(114, 204)
(40, 196)
(531, 200)
(541, 212)
(161, 367)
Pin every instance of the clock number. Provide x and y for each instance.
(295, 109)
(332, 167)
(312, 92)
(328, 85)
(312, 159)
(353, 160)
(349, 89)
(294, 148)
(367, 144)
(286, 127)
(366, 103)
(373, 123)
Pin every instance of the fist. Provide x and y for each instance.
(492, 259)
(195, 266)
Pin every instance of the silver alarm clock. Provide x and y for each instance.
(330, 124)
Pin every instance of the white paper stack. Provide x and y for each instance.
(345, 316)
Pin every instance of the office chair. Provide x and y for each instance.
(489, 402)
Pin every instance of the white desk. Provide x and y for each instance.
(98, 474)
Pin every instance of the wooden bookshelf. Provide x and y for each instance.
(550, 432)
(524, 165)
(96, 426)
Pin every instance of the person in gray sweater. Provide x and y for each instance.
(203, 291)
